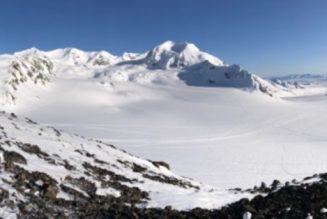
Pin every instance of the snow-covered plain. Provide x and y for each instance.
(223, 137)
(224, 131)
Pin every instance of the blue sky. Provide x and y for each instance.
(267, 37)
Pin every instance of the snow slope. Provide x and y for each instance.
(69, 164)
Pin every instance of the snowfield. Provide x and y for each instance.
(223, 137)
(213, 122)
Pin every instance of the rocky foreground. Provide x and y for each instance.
(292, 200)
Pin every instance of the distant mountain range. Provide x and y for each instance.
(168, 63)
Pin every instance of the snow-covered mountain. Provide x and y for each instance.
(169, 63)
(25, 68)
(173, 55)
(301, 84)
(207, 74)
(299, 80)
(300, 77)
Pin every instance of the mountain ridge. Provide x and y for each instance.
(167, 63)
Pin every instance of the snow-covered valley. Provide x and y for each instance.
(215, 123)
(223, 137)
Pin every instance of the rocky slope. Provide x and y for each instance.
(305, 199)
(44, 171)
(28, 67)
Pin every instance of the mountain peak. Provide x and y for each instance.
(177, 47)
(173, 55)
(30, 51)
